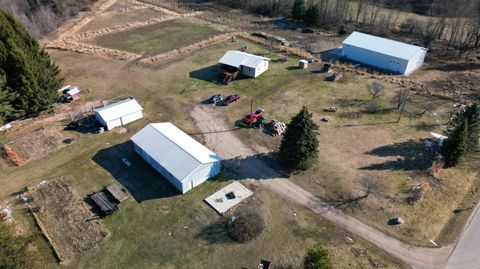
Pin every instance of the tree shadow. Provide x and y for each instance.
(140, 179)
(411, 155)
(262, 166)
(215, 233)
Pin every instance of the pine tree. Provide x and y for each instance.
(6, 99)
(455, 145)
(299, 147)
(298, 10)
(30, 73)
(312, 15)
(317, 258)
(473, 119)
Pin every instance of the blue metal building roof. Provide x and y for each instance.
(382, 45)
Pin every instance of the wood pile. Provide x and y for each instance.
(268, 36)
(277, 127)
(334, 77)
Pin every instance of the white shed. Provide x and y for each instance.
(118, 114)
(248, 64)
(183, 161)
(383, 53)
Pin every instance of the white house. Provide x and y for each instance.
(118, 114)
(183, 161)
(383, 53)
(248, 64)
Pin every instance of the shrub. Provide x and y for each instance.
(317, 258)
(247, 225)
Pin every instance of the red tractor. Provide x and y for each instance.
(255, 117)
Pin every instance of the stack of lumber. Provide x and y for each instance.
(277, 128)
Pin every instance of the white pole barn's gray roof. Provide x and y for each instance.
(238, 58)
(117, 110)
(174, 150)
(382, 45)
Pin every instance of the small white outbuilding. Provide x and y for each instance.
(119, 114)
(386, 54)
(248, 64)
(183, 161)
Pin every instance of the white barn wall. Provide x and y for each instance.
(262, 68)
(375, 59)
(201, 174)
(416, 61)
(131, 117)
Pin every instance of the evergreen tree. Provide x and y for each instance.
(298, 10)
(299, 147)
(317, 258)
(6, 99)
(455, 145)
(473, 119)
(312, 15)
(31, 76)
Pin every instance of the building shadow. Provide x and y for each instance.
(212, 74)
(331, 54)
(140, 179)
(411, 155)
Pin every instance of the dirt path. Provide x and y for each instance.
(227, 145)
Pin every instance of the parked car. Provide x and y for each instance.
(126, 162)
(215, 98)
(254, 116)
(230, 99)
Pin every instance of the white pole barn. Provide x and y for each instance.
(183, 161)
(382, 53)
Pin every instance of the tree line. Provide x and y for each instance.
(454, 25)
(28, 77)
(41, 17)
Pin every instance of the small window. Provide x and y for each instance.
(250, 69)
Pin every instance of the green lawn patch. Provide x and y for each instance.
(156, 38)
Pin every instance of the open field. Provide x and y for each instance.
(155, 38)
(121, 19)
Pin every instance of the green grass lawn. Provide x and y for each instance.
(156, 38)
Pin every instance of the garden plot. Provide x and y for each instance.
(157, 38)
(121, 19)
(66, 222)
(33, 146)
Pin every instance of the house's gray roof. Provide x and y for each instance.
(173, 149)
(238, 58)
(382, 45)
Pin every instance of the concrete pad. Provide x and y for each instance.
(221, 203)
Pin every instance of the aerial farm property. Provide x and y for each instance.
(173, 139)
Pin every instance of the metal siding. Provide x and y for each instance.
(202, 174)
(416, 62)
(374, 59)
(388, 47)
(114, 123)
(248, 71)
(132, 117)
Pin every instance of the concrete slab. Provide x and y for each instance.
(221, 201)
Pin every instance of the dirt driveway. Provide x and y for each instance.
(249, 165)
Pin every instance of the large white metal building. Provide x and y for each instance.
(248, 64)
(386, 54)
(118, 114)
(183, 161)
